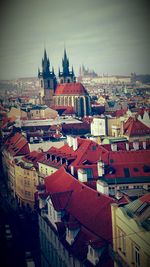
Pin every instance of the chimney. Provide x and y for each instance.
(82, 175)
(75, 143)
(69, 140)
(144, 144)
(127, 146)
(118, 195)
(72, 170)
(136, 145)
(100, 168)
(114, 147)
(102, 187)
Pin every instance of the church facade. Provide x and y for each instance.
(63, 91)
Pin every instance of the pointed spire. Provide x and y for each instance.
(65, 63)
(72, 71)
(53, 70)
(45, 54)
(59, 71)
(65, 54)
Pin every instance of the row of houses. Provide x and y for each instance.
(83, 192)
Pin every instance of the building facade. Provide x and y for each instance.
(131, 235)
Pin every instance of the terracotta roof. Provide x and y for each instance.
(33, 157)
(60, 200)
(70, 89)
(97, 216)
(17, 145)
(134, 127)
(88, 153)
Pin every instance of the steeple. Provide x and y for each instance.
(45, 65)
(66, 76)
(47, 79)
(72, 71)
(65, 63)
(59, 71)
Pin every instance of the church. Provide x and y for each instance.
(63, 91)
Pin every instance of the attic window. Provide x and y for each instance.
(127, 172)
(94, 148)
(146, 168)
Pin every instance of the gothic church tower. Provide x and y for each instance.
(48, 80)
(66, 76)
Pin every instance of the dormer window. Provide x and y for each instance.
(93, 255)
(71, 235)
(48, 156)
(53, 157)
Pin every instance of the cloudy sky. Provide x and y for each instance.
(109, 36)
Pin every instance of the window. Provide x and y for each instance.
(27, 182)
(136, 256)
(146, 168)
(91, 251)
(89, 173)
(121, 241)
(27, 193)
(136, 169)
(127, 172)
(123, 187)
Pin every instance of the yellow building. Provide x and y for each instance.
(42, 112)
(26, 183)
(17, 113)
(45, 170)
(26, 177)
(131, 233)
(13, 149)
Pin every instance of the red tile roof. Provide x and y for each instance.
(33, 157)
(97, 216)
(17, 145)
(60, 200)
(70, 89)
(134, 127)
(88, 154)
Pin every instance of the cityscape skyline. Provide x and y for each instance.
(111, 37)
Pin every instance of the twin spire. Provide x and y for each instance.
(65, 66)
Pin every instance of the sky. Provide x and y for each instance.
(109, 36)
